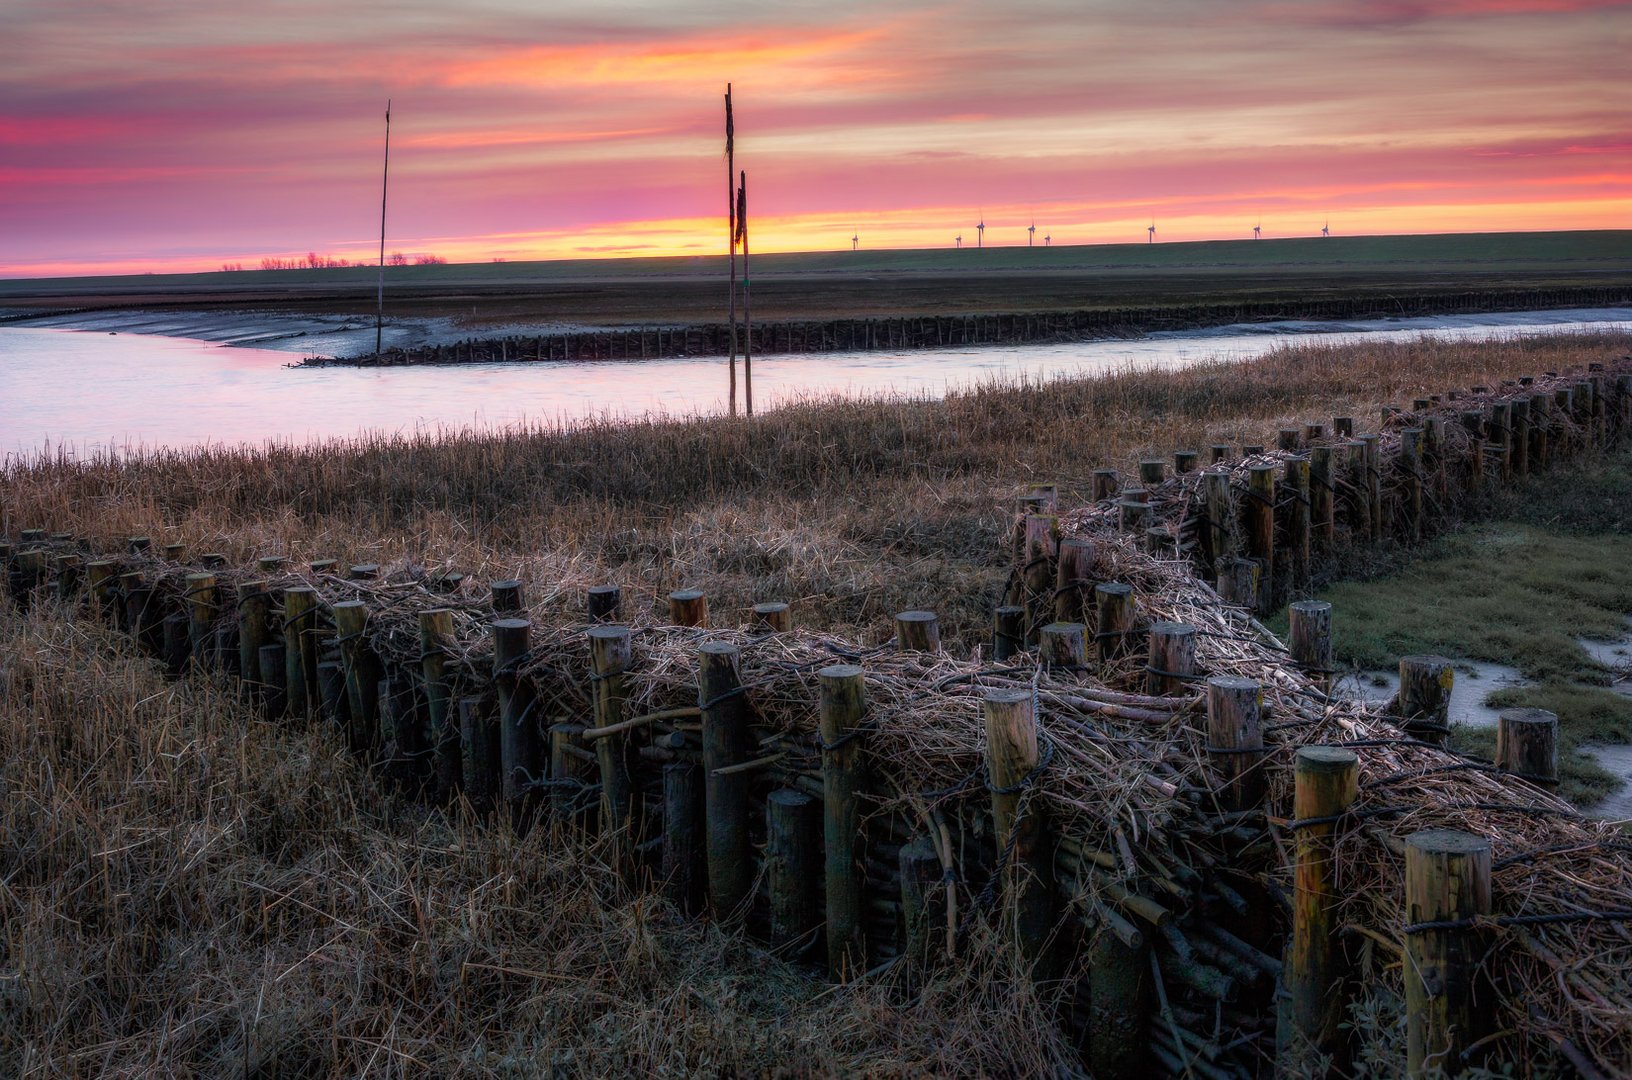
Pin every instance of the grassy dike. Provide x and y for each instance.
(1551, 565)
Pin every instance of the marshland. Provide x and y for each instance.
(194, 883)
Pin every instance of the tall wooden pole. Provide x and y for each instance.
(747, 313)
(385, 177)
(731, 204)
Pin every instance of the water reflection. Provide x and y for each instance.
(80, 389)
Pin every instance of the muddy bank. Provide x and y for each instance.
(940, 331)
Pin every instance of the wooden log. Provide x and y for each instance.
(202, 608)
(1527, 744)
(1356, 502)
(610, 654)
(1326, 780)
(773, 618)
(791, 856)
(1008, 632)
(1258, 513)
(682, 855)
(447, 755)
(1114, 621)
(332, 707)
(1063, 647)
(1152, 471)
(483, 764)
(274, 676)
(102, 581)
(917, 631)
(521, 751)
(1343, 427)
(1172, 665)
(1289, 440)
(507, 597)
(1447, 880)
(364, 572)
(726, 742)
(1322, 502)
(271, 564)
(1218, 526)
(688, 607)
(1519, 416)
(1073, 579)
(1017, 824)
(1236, 740)
(177, 646)
(1376, 508)
(1132, 515)
(66, 568)
(1424, 700)
(1107, 483)
(1184, 461)
(1120, 990)
(1309, 640)
(842, 707)
(300, 610)
(605, 603)
(364, 671)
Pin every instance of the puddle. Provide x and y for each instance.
(1468, 692)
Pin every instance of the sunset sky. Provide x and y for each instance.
(181, 134)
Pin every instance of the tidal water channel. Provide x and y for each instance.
(81, 390)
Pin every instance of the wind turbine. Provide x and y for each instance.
(1031, 233)
(1326, 229)
(855, 240)
(1257, 232)
(1048, 241)
(1150, 233)
(959, 239)
(980, 232)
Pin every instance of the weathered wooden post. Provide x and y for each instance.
(1073, 577)
(1423, 704)
(1259, 515)
(332, 705)
(683, 855)
(299, 649)
(254, 632)
(1008, 632)
(843, 704)
(1410, 465)
(1184, 461)
(791, 847)
(1236, 740)
(521, 753)
(1297, 519)
(1326, 781)
(363, 674)
(610, 654)
(1289, 440)
(917, 631)
(1520, 418)
(772, 618)
(1501, 435)
(507, 597)
(102, 579)
(1114, 622)
(1376, 508)
(177, 650)
(202, 609)
(1152, 471)
(1309, 625)
(1172, 663)
(483, 766)
(1527, 744)
(920, 870)
(1218, 452)
(1343, 427)
(688, 607)
(725, 743)
(274, 677)
(1132, 514)
(1218, 522)
(1447, 886)
(1107, 482)
(1041, 555)
(605, 603)
(1017, 827)
(1322, 509)
(1064, 646)
(1238, 583)
(447, 758)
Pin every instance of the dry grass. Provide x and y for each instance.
(187, 892)
(852, 510)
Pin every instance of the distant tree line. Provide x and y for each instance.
(313, 261)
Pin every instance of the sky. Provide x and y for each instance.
(159, 135)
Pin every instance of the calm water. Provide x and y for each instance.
(82, 389)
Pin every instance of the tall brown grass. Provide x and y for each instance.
(850, 509)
